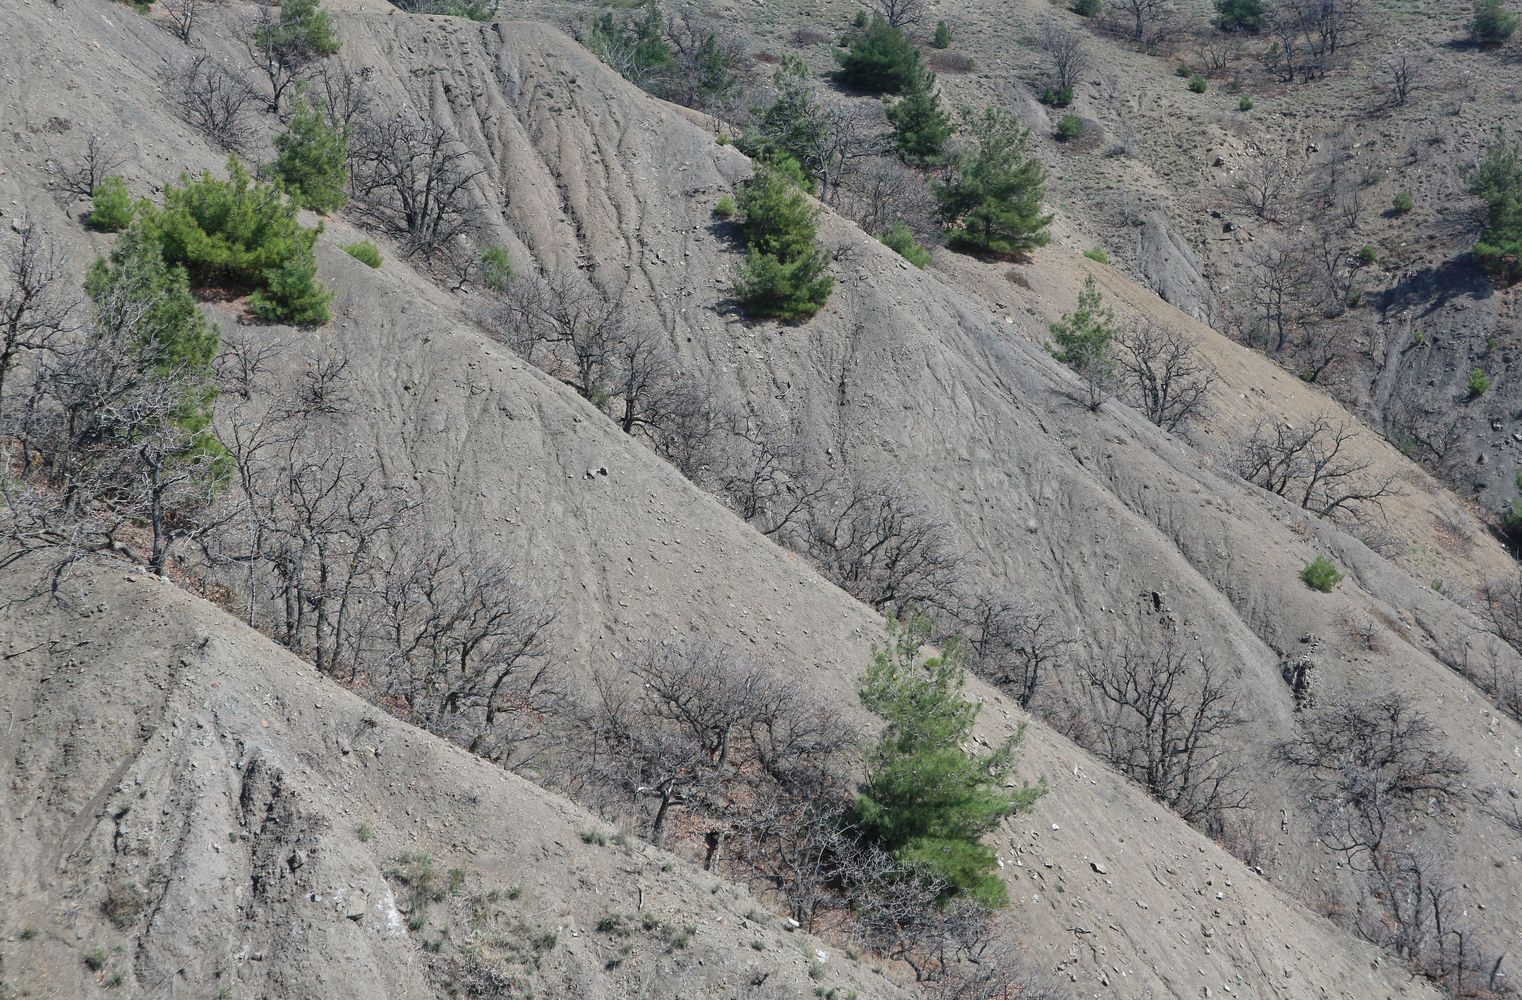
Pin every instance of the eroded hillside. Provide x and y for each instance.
(1128, 534)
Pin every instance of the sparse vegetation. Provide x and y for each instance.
(725, 208)
(124, 904)
(1479, 382)
(1402, 204)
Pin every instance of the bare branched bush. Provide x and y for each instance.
(458, 638)
(37, 303)
(1163, 375)
(215, 101)
(1067, 53)
(1378, 776)
(1165, 720)
(1144, 22)
(693, 727)
(183, 15)
(1313, 37)
(415, 180)
(879, 543)
(1366, 767)
(899, 13)
(96, 161)
(881, 191)
(1264, 186)
(1400, 73)
(1311, 466)
(1011, 643)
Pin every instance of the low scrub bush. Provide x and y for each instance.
(1321, 574)
(365, 252)
(111, 211)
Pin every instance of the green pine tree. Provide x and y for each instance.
(942, 35)
(920, 126)
(147, 304)
(1084, 340)
(111, 205)
(304, 29)
(1241, 15)
(927, 799)
(312, 161)
(992, 202)
(784, 271)
(1497, 180)
(881, 59)
(245, 232)
(1492, 24)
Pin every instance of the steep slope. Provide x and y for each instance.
(1095, 513)
(191, 811)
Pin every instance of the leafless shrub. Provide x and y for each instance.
(1144, 22)
(1311, 37)
(37, 304)
(1425, 429)
(1363, 628)
(183, 15)
(897, 910)
(882, 191)
(878, 542)
(214, 101)
(1163, 374)
(765, 477)
(1367, 766)
(1263, 186)
(564, 326)
(458, 638)
(694, 727)
(95, 163)
(1400, 73)
(1165, 721)
(946, 61)
(1309, 466)
(1011, 643)
(414, 179)
(700, 44)
(1067, 52)
(899, 13)
(343, 93)
(1376, 773)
